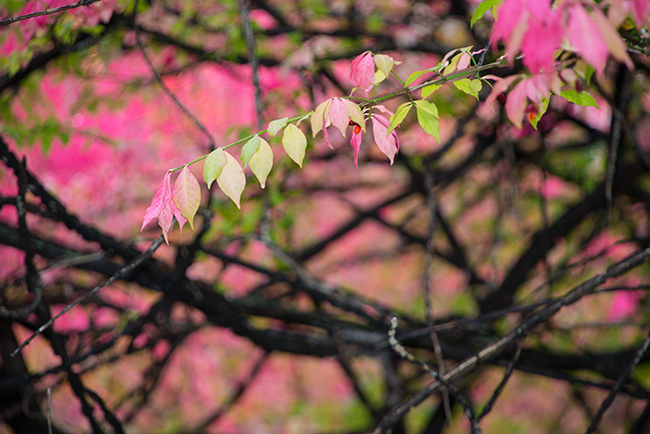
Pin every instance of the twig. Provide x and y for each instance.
(117, 275)
(617, 386)
(252, 59)
(500, 346)
(51, 11)
(446, 385)
(502, 384)
(426, 283)
(164, 87)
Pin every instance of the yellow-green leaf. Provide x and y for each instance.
(482, 8)
(261, 162)
(427, 106)
(232, 179)
(428, 121)
(427, 91)
(470, 87)
(187, 195)
(294, 143)
(276, 125)
(249, 149)
(384, 63)
(214, 162)
(398, 117)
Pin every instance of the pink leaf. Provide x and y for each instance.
(187, 195)
(339, 115)
(388, 145)
(613, 40)
(355, 142)
(516, 103)
(586, 38)
(544, 35)
(362, 73)
(159, 201)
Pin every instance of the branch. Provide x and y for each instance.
(51, 11)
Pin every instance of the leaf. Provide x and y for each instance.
(399, 116)
(276, 125)
(307, 116)
(453, 64)
(426, 91)
(355, 114)
(580, 98)
(482, 8)
(411, 78)
(470, 87)
(427, 106)
(249, 149)
(320, 118)
(160, 199)
(187, 195)
(379, 76)
(294, 143)
(388, 143)
(384, 63)
(339, 115)
(213, 165)
(428, 121)
(362, 71)
(232, 179)
(541, 109)
(261, 162)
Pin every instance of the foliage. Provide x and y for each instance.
(488, 251)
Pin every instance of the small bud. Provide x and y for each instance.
(501, 98)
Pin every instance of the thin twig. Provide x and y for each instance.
(426, 284)
(51, 11)
(164, 87)
(617, 386)
(500, 346)
(119, 274)
(502, 384)
(252, 59)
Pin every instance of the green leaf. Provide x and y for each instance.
(470, 87)
(428, 122)
(261, 162)
(399, 116)
(482, 8)
(276, 125)
(294, 143)
(427, 91)
(580, 98)
(232, 179)
(249, 149)
(541, 109)
(187, 195)
(588, 73)
(427, 106)
(411, 78)
(213, 165)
